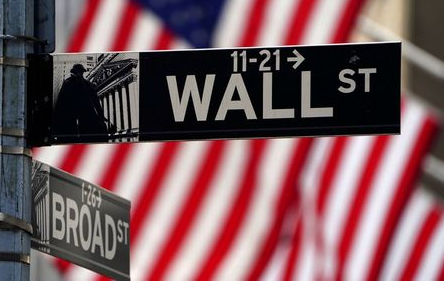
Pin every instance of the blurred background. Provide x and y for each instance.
(417, 22)
(346, 208)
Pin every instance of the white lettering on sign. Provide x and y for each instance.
(244, 103)
(237, 85)
(72, 219)
(265, 61)
(97, 235)
(343, 77)
(75, 225)
(306, 110)
(110, 226)
(268, 111)
(58, 211)
(367, 73)
(85, 214)
(190, 89)
(346, 77)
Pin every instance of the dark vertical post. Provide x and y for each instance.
(16, 18)
(428, 16)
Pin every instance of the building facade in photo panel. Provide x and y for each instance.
(96, 97)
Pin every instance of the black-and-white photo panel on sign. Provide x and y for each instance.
(95, 98)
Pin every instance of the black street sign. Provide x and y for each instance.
(344, 89)
(80, 222)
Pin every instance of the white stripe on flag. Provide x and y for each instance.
(276, 267)
(77, 273)
(232, 23)
(141, 161)
(323, 21)
(180, 44)
(315, 164)
(92, 165)
(146, 30)
(52, 155)
(277, 22)
(104, 26)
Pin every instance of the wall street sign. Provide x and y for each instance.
(344, 89)
(80, 222)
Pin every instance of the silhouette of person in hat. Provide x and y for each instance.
(78, 111)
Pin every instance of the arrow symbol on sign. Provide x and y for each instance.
(297, 60)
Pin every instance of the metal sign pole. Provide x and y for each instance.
(16, 25)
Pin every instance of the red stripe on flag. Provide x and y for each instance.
(114, 166)
(73, 157)
(330, 171)
(103, 278)
(300, 21)
(403, 192)
(127, 21)
(292, 260)
(441, 274)
(190, 209)
(347, 20)
(254, 23)
(79, 36)
(417, 253)
(362, 192)
(287, 195)
(164, 40)
(237, 213)
(62, 265)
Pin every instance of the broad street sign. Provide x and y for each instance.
(80, 222)
(344, 89)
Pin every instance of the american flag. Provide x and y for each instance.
(324, 208)
(353, 195)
